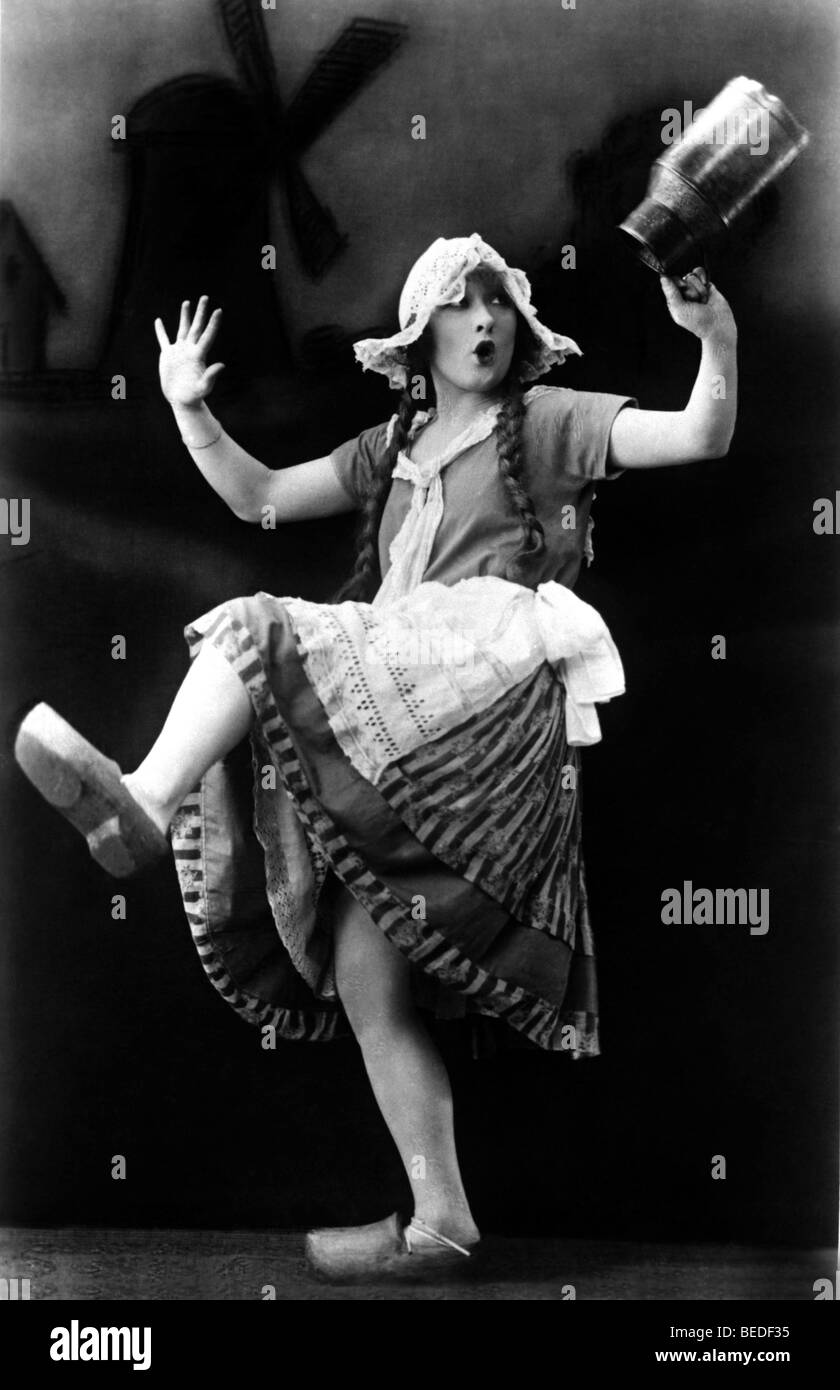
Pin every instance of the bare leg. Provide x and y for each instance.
(210, 714)
(406, 1071)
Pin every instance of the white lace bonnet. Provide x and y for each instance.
(438, 278)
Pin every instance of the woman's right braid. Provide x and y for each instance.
(366, 575)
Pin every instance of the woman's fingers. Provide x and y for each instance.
(695, 285)
(198, 321)
(195, 333)
(671, 290)
(210, 331)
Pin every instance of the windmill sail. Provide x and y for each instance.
(249, 46)
(339, 73)
(314, 228)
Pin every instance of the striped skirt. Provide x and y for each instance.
(452, 814)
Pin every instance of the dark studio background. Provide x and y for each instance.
(541, 126)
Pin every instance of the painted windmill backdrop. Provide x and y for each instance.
(209, 163)
(204, 155)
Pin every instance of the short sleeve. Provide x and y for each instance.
(354, 462)
(579, 429)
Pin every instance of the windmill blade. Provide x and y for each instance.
(339, 73)
(248, 43)
(313, 226)
(315, 229)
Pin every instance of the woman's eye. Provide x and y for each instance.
(464, 302)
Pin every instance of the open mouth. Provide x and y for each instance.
(485, 351)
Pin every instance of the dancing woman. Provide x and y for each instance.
(373, 803)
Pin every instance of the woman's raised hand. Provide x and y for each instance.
(185, 378)
(695, 304)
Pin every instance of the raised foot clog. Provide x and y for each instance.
(85, 787)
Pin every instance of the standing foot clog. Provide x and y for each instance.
(383, 1251)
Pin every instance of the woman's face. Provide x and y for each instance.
(472, 340)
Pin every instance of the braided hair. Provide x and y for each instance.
(366, 575)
